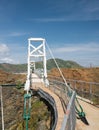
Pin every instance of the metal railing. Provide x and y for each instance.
(69, 121)
(89, 91)
(51, 101)
(68, 102)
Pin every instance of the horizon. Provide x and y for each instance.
(90, 66)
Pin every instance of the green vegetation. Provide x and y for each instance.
(62, 64)
(19, 85)
(19, 68)
(13, 112)
(16, 68)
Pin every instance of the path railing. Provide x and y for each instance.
(69, 121)
(68, 102)
(87, 90)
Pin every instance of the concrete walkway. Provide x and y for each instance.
(37, 83)
(92, 115)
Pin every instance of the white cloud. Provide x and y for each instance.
(5, 54)
(81, 53)
(49, 19)
(4, 49)
(15, 34)
(12, 34)
(90, 47)
(7, 60)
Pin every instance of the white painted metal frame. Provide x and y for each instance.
(34, 52)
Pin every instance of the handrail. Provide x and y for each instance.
(51, 101)
(73, 80)
(68, 97)
(68, 112)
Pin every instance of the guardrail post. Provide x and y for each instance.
(90, 92)
(2, 108)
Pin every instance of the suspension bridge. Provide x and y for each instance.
(58, 93)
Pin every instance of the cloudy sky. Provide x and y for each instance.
(70, 27)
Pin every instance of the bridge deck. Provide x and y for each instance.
(37, 83)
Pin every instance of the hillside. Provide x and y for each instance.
(78, 78)
(62, 64)
(13, 67)
(84, 74)
(18, 68)
(13, 101)
(9, 78)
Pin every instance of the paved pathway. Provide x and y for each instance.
(37, 83)
(92, 115)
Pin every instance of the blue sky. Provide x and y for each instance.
(70, 27)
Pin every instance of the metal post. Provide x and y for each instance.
(90, 92)
(26, 124)
(44, 62)
(82, 89)
(2, 109)
(28, 76)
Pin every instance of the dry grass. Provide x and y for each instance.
(85, 74)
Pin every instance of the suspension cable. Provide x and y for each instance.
(59, 68)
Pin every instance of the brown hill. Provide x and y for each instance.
(10, 78)
(85, 74)
(84, 89)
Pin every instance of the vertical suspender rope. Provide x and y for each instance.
(70, 90)
(2, 109)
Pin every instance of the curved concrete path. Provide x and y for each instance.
(37, 83)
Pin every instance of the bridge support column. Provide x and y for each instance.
(36, 51)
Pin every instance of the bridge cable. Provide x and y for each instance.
(67, 86)
(79, 112)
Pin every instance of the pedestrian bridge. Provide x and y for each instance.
(62, 95)
(62, 113)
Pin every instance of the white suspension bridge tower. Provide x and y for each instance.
(36, 49)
